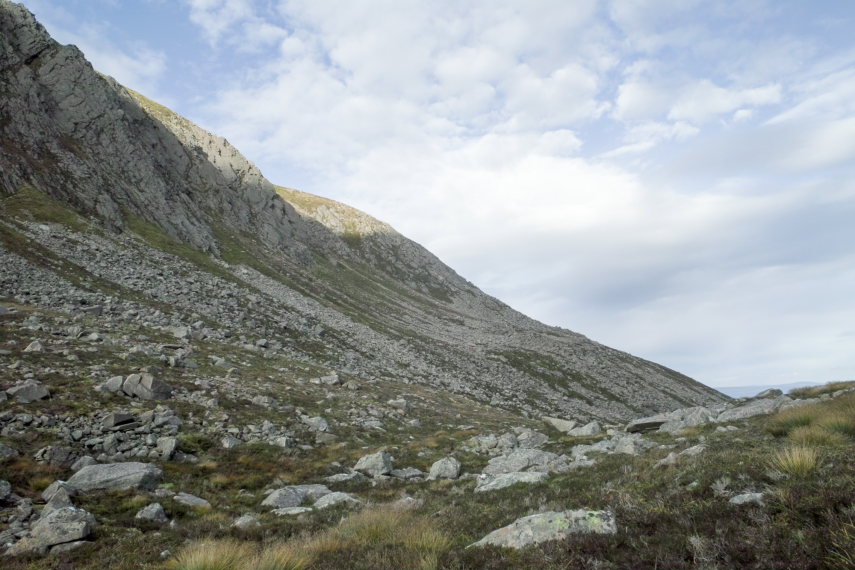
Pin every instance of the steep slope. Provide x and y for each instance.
(156, 211)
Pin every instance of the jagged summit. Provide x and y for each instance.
(154, 192)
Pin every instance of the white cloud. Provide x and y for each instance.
(220, 19)
(703, 100)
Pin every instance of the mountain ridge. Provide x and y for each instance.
(376, 303)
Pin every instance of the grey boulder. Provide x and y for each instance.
(116, 476)
(375, 464)
(561, 425)
(445, 468)
(552, 525)
(28, 392)
(61, 526)
(294, 495)
(336, 499)
(153, 512)
(495, 482)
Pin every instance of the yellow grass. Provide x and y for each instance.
(796, 461)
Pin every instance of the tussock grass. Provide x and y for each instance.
(831, 422)
(787, 420)
(796, 461)
(841, 422)
(816, 435)
(213, 555)
(403, 540)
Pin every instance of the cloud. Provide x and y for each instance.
(703, 100)
(221, 19)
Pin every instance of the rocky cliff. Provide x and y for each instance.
(110, 200)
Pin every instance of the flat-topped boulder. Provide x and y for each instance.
(552, 525)
(118, 476)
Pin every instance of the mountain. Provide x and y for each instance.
(112, 203)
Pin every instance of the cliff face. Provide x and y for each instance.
(369, 301)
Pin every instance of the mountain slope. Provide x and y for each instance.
(150, 209)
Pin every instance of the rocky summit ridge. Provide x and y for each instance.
(112, 205)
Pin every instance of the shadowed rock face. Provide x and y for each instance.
(382, 305)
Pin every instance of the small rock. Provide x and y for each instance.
(191, 501)
(335, 499)
(290, 511)
(246, 522)
(745, 498)
(35, 346)
(153, 512)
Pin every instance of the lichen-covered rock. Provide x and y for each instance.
(550, 526)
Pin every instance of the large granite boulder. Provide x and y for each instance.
(118, 476)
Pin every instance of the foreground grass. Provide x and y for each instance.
(679, 516)
(386, 537)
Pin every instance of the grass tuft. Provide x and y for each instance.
(796, 461)
(213, 555)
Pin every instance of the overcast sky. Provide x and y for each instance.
(673, 178)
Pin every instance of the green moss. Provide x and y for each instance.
(31, 204)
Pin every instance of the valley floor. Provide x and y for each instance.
(243, 431)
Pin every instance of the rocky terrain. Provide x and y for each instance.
(199, 369)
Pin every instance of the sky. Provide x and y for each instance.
(673, 178)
